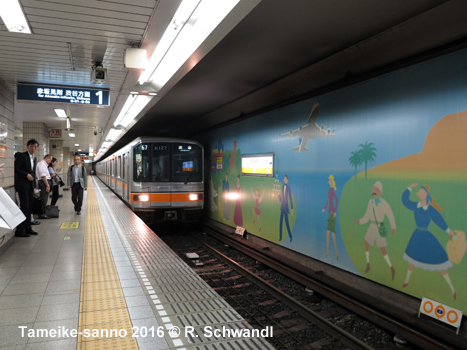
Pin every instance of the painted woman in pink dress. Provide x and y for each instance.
(256, 210)
(238, 217)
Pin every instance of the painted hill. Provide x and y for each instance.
(444, 150)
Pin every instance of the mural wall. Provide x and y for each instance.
(370, 178)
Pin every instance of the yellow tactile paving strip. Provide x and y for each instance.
(103, 312)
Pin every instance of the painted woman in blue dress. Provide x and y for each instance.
(424, 250)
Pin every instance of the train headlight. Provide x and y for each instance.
(233, 196)
(141, 198)
(194, 197)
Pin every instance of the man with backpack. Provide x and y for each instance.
(77, 180)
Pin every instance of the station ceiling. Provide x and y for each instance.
(277, 52)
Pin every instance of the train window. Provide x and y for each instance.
(187, 162)
(160, 162)
(141, 163)
(119, 166)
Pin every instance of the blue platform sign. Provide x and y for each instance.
(63, 94)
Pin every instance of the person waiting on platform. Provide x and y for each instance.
(44, 181)
(55, 180)
(25, 172)
(77, 180)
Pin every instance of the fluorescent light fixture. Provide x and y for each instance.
(132, 107)
(76, 144)
(79, 149)
(68, 123)
(180, 18)
(113, 134)
(71, 134)
(13, 17)
(106, 144)
(60, 113)
(193, 22)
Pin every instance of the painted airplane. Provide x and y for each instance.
(309, 131)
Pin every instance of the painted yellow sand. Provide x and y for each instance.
(443, 152)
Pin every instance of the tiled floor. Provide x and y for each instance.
(40, 280)
(46, 287)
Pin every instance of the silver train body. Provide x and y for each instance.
(160, 179)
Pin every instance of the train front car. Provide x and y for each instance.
(167, 179)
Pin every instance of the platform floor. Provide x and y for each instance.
(104, 280)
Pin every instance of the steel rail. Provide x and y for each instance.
(410, 334)
(310, 315)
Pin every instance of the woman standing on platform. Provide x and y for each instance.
(54, 179)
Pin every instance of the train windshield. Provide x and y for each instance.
(187, 162)
(152, 162)
(142, 162)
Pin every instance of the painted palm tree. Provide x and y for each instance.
(355, 160)
(368, 154)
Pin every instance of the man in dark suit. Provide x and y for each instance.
(25, 175)
(284, 197)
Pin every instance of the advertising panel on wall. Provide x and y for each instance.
(369, 178)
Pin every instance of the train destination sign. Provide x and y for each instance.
(65, 94)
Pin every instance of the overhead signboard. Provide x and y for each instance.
(63, 94)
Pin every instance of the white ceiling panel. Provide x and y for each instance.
(244, 73)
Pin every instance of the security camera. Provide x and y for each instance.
(95, 132)
(98, 73)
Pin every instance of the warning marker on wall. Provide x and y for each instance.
(441, 312)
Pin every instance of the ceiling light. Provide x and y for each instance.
(182, 15)
(68, 124)
(60, 113)
(113, 134)
(193, 22)
(13, 17)
(132, 107)
(76, 144)
(152, 93)
(106, 145)
(72, 134)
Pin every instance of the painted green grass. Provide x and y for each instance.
(451, 198)
(270, 206)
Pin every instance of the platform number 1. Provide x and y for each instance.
(100, 96)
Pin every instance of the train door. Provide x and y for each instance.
(160, 174)
(125, 177)
(120, 180)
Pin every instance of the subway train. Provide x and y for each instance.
(160, 179)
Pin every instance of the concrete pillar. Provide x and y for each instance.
(7, 150)
(7, 137)
(56, 150)
(67, 162)
(40, 132)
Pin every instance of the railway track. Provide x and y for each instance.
(307, 314)
(417, 339)
(300, 321)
